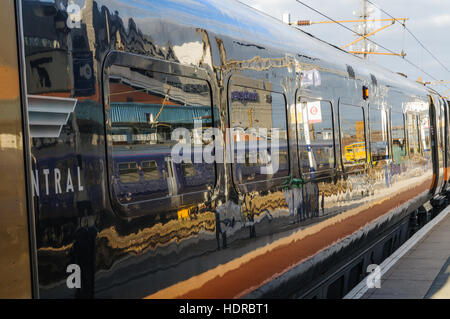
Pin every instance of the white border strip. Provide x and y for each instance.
(359, 290)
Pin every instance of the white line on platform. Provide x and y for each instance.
(359, 290)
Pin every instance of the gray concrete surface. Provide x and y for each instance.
(423, 272)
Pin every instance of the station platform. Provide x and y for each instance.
(419, 269)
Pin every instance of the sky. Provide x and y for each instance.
(428, 20)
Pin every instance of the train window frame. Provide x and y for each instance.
(171, 201)
(359, 166)
(320, 173)
(373, 108)
(262, 85)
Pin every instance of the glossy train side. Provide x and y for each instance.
(109, 82)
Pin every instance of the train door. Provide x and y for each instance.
(442, 144)
(355, 184)
(446, 144)
(258, 148)
(436, 122)
(316, 151)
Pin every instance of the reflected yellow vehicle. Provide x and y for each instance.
(355, 152)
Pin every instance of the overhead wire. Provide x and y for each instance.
(412, 34)
(370, 40)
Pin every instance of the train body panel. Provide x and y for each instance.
(16, 256)
(311, 174)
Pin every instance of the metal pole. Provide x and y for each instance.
(364, 12)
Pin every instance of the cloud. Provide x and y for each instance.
(273, 8)
(429, 21)
(440, 20)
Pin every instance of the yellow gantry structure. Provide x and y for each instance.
(403, 21)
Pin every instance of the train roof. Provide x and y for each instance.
(238, 21)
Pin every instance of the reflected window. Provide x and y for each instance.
(150, 170)
(315, 134)
(378, 128)
(398, 137)
(145, 108)
(352, 127)
(128, 172)
(259, 121)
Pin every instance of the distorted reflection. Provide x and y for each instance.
(259, 122)
(378, 128)
(398, 137)
(145, 109)
(352, 134)
(315, 134)
(413, 133)
(424, 122)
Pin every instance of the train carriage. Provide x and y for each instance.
(306, 164)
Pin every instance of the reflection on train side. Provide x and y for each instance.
(378, 133)
(249, 161)
(142, 174)
(352, 127)
(315, 135)
(259, 122)
(145, 109)
(355, 152)
(398, 137)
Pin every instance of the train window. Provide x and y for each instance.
(424, 127)
(378, 128)
(398, 137)
(315, 134)
(413, 133)
(188, 169)
(152, 114)
(128, 172)
(353, 144)
(150, 170)
(259, 121)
